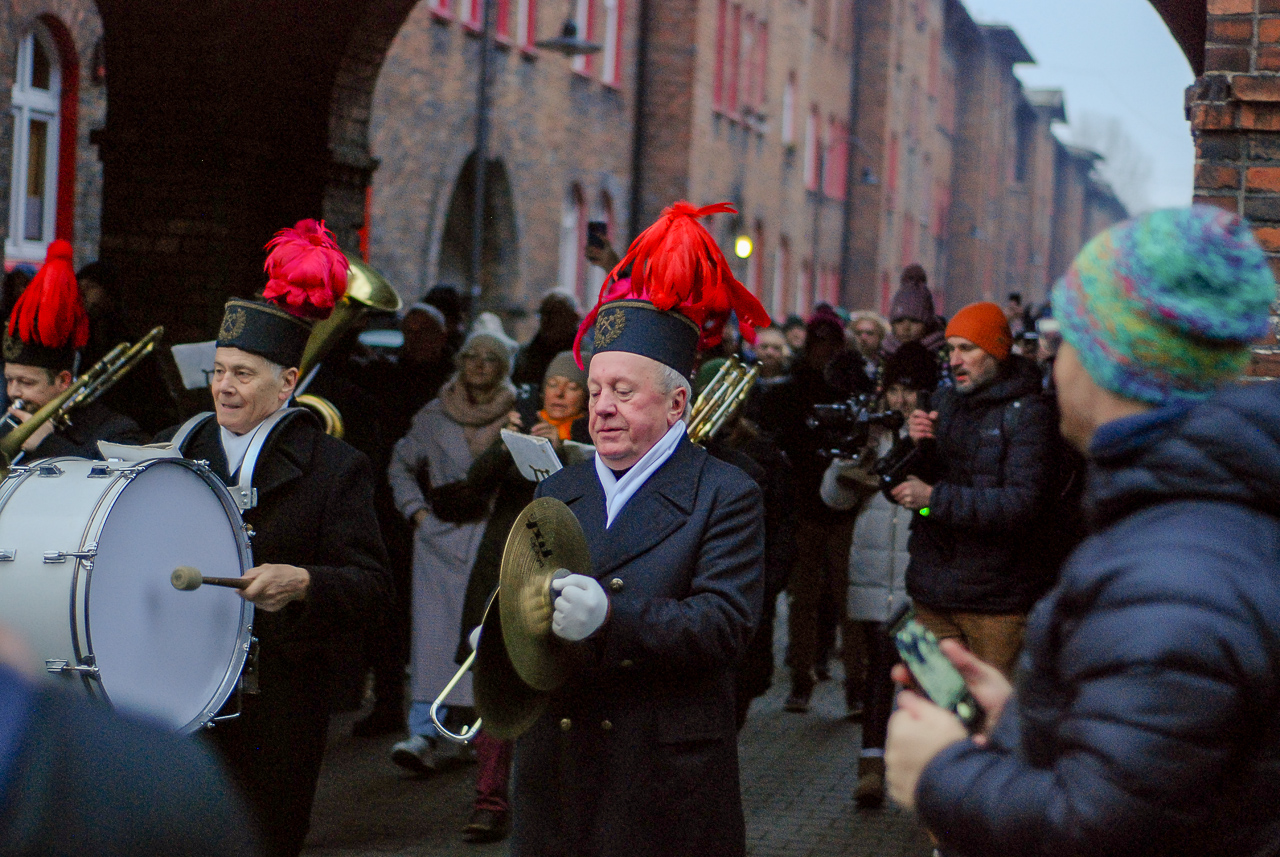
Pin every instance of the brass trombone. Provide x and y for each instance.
(91, 384)
(721, 399)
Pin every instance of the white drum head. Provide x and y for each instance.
(163, 653)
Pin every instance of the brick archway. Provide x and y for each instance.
(227, 122)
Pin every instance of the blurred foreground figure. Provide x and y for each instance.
(1145, 719)
(76, 778)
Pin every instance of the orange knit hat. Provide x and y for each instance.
(985, 325)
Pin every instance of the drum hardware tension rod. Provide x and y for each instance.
(185, 578)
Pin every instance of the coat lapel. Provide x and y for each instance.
(658, 509)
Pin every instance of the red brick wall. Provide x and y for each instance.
(1234, 108)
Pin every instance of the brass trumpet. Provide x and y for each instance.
(721, 399)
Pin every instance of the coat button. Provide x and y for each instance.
(606, 725)
(626, 663)
(616, 585)
(566, 724)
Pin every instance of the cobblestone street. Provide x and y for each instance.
(798, 774)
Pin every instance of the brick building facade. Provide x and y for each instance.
(749, 101)
(233, 118)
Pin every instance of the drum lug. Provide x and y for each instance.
(47, 470)
(88, 555)
(249, 676)
(59, 666)
(8, 555)
(100, 471)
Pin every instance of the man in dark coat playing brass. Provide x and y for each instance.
(320, 563)
(637, 753)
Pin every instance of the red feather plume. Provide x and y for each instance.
(50, 312)
(307, 271)
(676, 264)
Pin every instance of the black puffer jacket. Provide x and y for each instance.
(991, 474)
(1147, 716)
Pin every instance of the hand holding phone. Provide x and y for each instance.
(933, 672)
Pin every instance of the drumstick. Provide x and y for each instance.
(186, 578)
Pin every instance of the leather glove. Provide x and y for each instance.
(474, 638)
(580, 609)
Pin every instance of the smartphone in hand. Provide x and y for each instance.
(597, 234)
(936, 677)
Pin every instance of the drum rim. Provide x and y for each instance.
(123, 475)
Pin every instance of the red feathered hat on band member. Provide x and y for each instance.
(307, 271)
(307, 276)
(49, 323)
(676, 265)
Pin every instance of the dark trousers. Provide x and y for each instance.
(821, 570)
(493, 756)
(877, 693)
(273, 751)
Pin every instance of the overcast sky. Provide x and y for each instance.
(1115, 60)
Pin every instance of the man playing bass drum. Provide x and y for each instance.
(309, 499)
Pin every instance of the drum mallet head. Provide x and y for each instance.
(186, 578)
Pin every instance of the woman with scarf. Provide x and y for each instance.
(427, 467)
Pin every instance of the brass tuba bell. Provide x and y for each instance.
(366, 290)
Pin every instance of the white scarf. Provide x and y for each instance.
(235, 446)
(618, 491)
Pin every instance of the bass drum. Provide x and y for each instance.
(86, 552)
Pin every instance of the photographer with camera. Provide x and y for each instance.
(878, 559)
(821, 561)
(980, 487)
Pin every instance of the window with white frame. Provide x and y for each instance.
(812, 149)
(36, 101)
(789, 110)
(584, 17)
(526, 23)
(573, 243)
(611, 58)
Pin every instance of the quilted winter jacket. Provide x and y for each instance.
(1147, 714)
(991, 470)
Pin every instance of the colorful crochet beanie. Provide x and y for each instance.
(1163, 307)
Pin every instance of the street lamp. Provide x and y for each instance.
(742, 247)
(567, 43)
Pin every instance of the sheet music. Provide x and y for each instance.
(535, 456)
(195, 363)
(126, 452)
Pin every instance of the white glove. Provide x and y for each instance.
(581, 607)
(474, 638)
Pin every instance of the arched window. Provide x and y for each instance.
(595, 276)
(573, 243)
(43, 110)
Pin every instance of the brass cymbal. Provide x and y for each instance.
(546, 537)
(507, 704)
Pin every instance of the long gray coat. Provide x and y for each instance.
(443, 553)
(637, 754)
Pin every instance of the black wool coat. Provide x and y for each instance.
(315, 510)
(89, 425)
(637, 753)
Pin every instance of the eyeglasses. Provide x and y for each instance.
(491, 359)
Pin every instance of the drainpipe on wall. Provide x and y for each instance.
(639, 125)
(851, 176)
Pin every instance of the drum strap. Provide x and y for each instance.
(243, 492)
